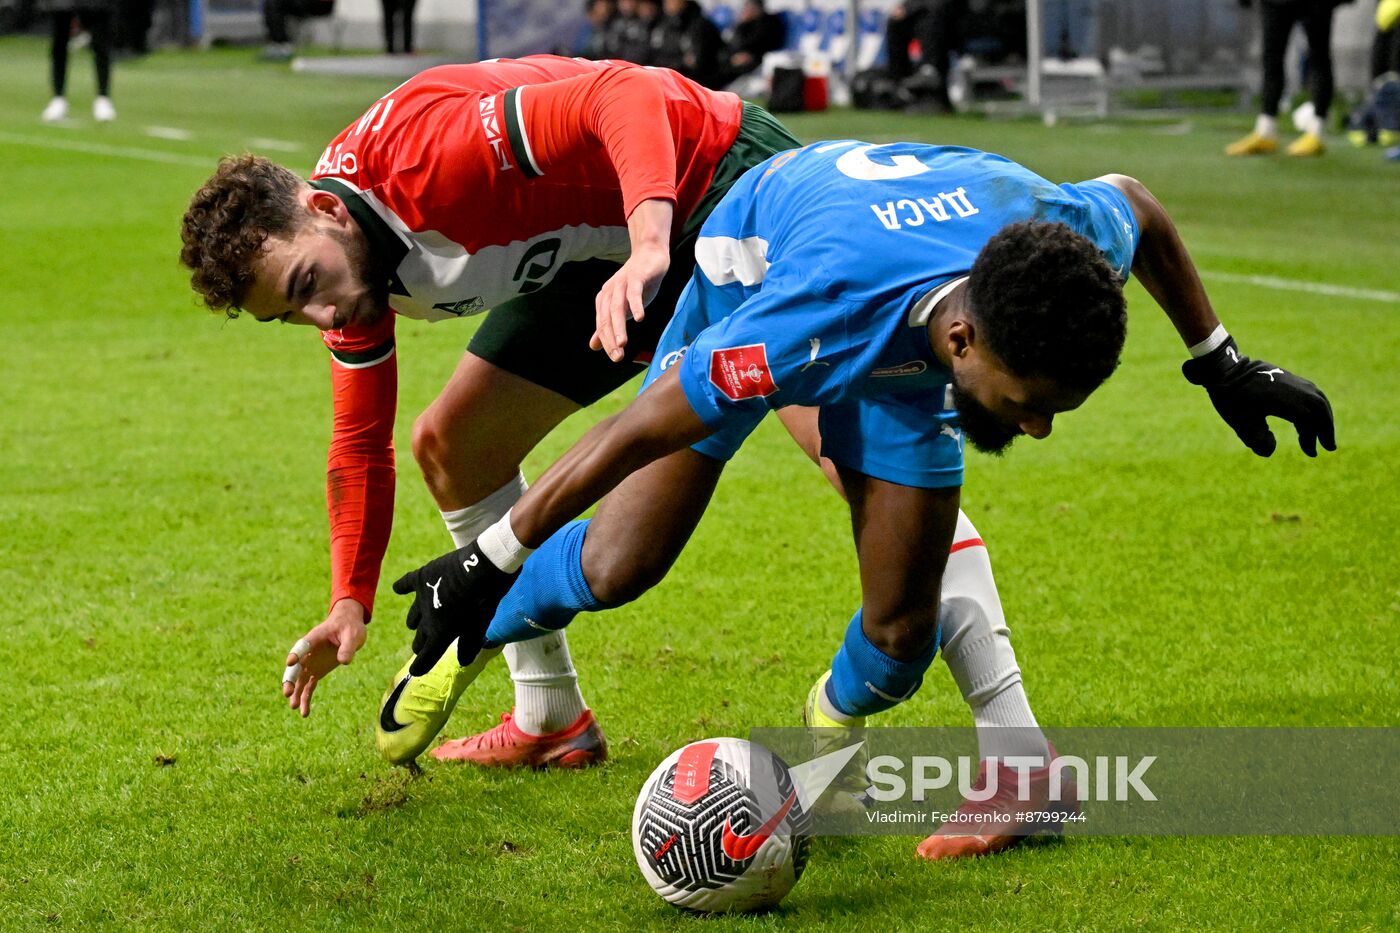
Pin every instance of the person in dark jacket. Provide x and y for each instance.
(593, 37)
(96, 18)
(1278, 17)
(938, 27)
(686, 41)
(757, 33)
(629, 33)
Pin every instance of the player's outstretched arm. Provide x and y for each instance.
(456, 595)
(321, 650)
(1245, 392)
(359, 502)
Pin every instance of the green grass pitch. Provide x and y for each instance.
(162, 542)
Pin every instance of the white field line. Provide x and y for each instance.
(1300, 285)
(277, 145)
(169, 132)
(101, 149)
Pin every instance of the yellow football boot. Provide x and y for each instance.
(1309, 144)
(1253, 144)
(415, 709)
(845, 796)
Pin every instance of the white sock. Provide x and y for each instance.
(1312, 123)
(1266, 126)
(977, 649)
(547, 697)
(465, 525)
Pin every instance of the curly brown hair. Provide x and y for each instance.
(245, 201)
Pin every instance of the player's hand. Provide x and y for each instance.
(321, 650)
(1245, 392)
(625, 296)
(454, 597)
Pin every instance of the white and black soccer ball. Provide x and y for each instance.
(719, 827)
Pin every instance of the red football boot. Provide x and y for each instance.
(505, 746)
(986, 827)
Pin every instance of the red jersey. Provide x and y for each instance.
(474, 184)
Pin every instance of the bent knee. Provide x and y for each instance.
(432, 444)
(903, 636)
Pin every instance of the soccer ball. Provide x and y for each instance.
(720, 828)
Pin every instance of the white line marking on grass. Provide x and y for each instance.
(169, 132)
(1297, 285)
(280, 145)
(100, 149)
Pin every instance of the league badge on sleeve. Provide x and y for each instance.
(742, 372)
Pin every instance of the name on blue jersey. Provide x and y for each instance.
(915, 212)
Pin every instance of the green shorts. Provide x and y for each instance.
(543, 336)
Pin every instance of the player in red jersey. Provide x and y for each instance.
(561, 195)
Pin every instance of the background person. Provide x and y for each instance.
(937, 25)
(756, 33)
(685, 40)
(398, 25)
(592, 41)
(1277, 19)
(629, 33)
(96, 18)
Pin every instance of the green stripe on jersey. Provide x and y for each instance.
(515, 133)
(367, 358)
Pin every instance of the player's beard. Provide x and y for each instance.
(374, 302)
(981, 429)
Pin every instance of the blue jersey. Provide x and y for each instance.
(815, 278)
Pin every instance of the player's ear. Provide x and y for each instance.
(325, 204)
(961, 335)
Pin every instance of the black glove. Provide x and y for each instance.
(1245, 391)
(454, 596)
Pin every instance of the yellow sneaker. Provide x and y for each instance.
(1253, 144)
(414, 709)
(1309, 144)
(1388, 138)
(844, 796)
(1387, 14)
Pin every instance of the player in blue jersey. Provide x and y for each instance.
(918, 296)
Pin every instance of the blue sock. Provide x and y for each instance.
(550, 591)
(865, 680)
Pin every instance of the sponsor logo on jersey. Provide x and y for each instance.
(461, 308)
(491, 125)
(911, 368)
(816, 344)
(742, 372)
(672, 358)
(949, 431)
(534, 267)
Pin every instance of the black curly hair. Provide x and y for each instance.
(1047, 304)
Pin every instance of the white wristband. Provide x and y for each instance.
(1216, 338)
(502, 547)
